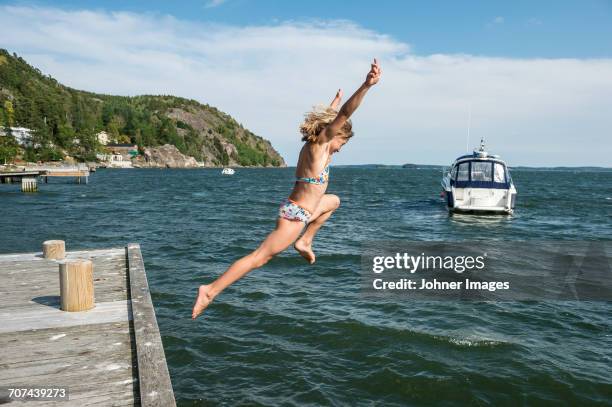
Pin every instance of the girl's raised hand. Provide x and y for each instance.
(374, 74)
(337, 99)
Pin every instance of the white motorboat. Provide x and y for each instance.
(228, 171)
(479, 183)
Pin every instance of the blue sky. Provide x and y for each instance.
(542, 28)
(536, 75)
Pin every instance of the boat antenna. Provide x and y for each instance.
(467, 142)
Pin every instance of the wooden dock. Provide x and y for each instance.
(111, 355)
(77, 170)
(28, 175)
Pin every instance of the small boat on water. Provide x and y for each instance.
(479, 183)
(228, 171)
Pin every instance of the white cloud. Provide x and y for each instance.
(532, 111)
(532, 21)
(496, 21)
(214, 3)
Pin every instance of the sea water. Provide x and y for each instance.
(297, 334)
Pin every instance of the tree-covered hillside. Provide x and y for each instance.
(65, 122)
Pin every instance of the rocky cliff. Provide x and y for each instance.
(221, 140)
(166, 156)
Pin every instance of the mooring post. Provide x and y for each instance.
(54, 249)
(28, 184)
(76, 285)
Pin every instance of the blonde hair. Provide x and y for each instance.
(317, 119)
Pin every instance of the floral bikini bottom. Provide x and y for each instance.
(290, 210)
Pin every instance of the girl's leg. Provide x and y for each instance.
(328, 204)
(285, 233)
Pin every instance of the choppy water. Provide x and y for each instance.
(294, 334)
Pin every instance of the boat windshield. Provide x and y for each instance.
(480, 173)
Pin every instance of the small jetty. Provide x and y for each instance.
(84, 321)
(29, 175)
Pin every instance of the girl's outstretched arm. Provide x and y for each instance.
(352, 104)
(334, 104)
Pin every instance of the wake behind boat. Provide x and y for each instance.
(479, 183)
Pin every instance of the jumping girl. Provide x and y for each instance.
(324, 131)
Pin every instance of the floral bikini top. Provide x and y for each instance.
(320, 180)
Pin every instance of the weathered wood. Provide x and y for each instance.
(19, 174)
(16, 320)
(76, 285)
(54, 249)
(96, 362)
(112, 337)
(77, 254)
(67, 173)
(96, 353)
(154, 378)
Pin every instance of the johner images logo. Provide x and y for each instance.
(489, 271)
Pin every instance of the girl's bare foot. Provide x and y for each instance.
(305, 250)
(202, 301)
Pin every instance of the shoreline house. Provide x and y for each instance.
(118, 155)
(127, 150)
(114, 161)
(22, 135)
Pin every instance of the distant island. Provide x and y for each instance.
(438, 166)
(396, 166)
(43, 120)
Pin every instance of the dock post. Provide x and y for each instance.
(28, 184)
(76, 285)
(54, 249)
(86, 179)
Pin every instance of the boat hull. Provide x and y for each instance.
(479, 200)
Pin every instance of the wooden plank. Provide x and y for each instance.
(46, 344)
(96, 362)
(44, 317)
(67, 174)
(69, 369)
(25, 283)
(20, 173)
(104, 393)
(154, 379)
(14, 270)
(114, 399)
(75, 254)
(12, 267)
